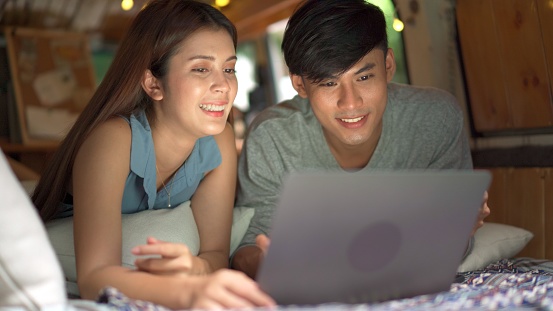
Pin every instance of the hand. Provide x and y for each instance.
(263, 242)
(226, 289)
(248, 258)
(484, 212)
(175, 257)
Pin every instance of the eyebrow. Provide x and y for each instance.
(367, 67)
(211, 58)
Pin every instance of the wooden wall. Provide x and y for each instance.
(508, 59)
(523, 197)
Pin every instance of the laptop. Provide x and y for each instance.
(369, 237)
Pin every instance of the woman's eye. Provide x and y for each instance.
(230, 71)
(200, 69)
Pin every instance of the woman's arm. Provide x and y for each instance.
(212, 206)
(99, 174)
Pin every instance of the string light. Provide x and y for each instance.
(222, 3)
(127, 4)
(398, 25)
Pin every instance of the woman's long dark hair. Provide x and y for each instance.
(155, 35)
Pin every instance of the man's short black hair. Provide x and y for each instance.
(325, 38)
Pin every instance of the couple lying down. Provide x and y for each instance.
(155, 134)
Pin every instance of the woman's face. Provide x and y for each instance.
(200, 86)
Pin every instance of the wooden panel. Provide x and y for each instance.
(251, 17)
(482, 63)
(496, 196)
(523, 63)
(525, 204)
(548, 215)
(545, 9)
(42, 61)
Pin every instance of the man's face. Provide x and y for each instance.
(350, 106)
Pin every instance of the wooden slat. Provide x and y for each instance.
(525, 204)
(251, 17)
(523, 63)
(545, 9)
(482, 63)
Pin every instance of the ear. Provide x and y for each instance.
(298, 84)
(151, 85)
(390, 65)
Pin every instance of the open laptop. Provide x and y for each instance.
(369, 237)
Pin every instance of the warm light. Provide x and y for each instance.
(398, 25)
(127, 4)
(221, 3)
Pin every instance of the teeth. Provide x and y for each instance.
(352, 120)
(212, 107)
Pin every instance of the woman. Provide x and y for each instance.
(153, 136)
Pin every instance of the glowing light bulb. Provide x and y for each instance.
(127, 4)
(398, 25)
(222, 3)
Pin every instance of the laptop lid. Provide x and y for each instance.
(369, 237)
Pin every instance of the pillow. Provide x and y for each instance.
(30, 276)
(493, 242)
(172, 225)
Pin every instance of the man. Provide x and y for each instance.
(348, 115)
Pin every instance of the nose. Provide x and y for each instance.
(221, 83)
(348, 96)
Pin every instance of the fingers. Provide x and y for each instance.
(165, 249)
(484, 212)
(231, 289)
(175, 257)
(182, 264)
(263, 242)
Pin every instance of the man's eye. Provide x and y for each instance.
(231, 71)
(330, 83)
(200, 69)
(363, 78)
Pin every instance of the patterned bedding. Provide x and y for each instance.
(513, 284)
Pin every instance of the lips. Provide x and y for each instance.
(352, 120)
(213, 108)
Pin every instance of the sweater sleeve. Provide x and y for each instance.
(453, 150)
(260, 171)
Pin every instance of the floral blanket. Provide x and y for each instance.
(521, 284)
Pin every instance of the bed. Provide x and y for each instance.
(521, 283)
(513, 270)
(498, 275)
(492, 277)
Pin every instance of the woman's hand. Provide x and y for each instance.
(174, 258)
(226, 289)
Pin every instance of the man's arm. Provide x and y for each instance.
(453, 150)
(260, 170)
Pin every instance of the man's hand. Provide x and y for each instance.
(248, 258)
(263, 242)
(484, 212)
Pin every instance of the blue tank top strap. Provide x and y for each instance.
(124, 118)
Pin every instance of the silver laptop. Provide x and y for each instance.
(369, 237)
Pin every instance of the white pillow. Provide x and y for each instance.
(30, 276)
(494, 242)
(172, 225)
